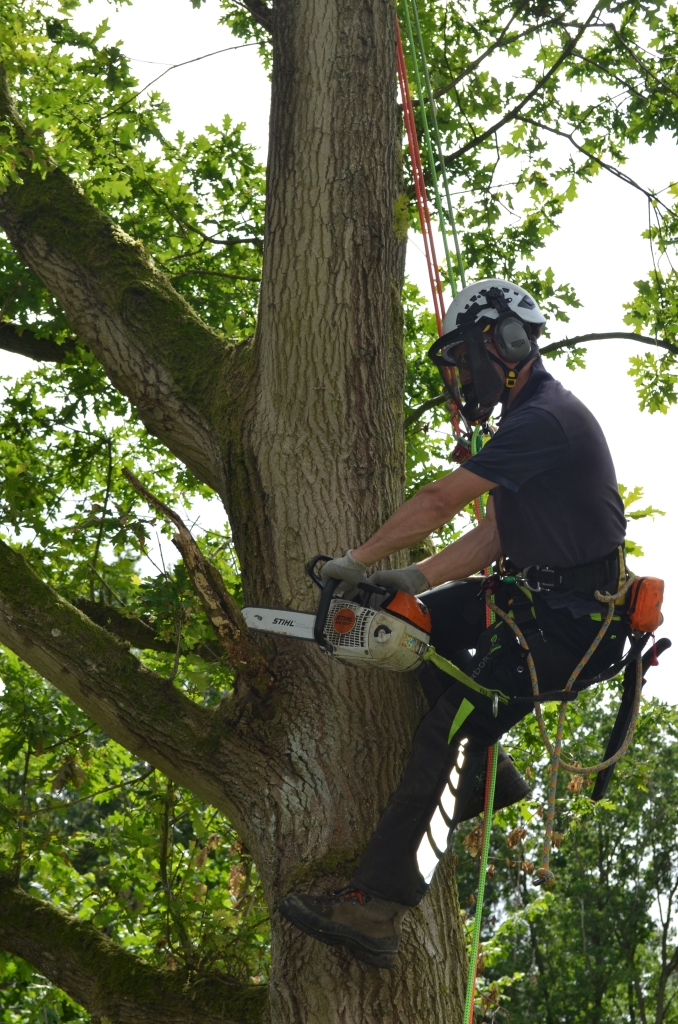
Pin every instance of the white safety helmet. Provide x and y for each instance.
(521, 303)
(494, 311)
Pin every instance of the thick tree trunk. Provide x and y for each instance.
(302, 435)
(323, 466)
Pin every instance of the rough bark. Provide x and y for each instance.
(301, 433)
(108, 980)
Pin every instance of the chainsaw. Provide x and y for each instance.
(379, 627)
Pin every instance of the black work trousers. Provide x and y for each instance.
(389, 868)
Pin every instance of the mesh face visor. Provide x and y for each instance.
(464, 349)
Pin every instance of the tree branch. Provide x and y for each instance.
(244, 654)
(581, 339)
(555, 346)
(108, 980)
(596, 159)
(510, 116)
(152, 344)
(419, 410)
(215, 273)
(21, 340)
(133, 705)
(502, 40)
(134, 630)
(262, 14)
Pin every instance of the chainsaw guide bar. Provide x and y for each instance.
(281, 622)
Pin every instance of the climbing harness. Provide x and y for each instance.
(545, 876)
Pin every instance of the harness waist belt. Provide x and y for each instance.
(603, 575)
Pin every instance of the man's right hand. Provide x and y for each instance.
(348, 569)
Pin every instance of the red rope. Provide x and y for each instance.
(420, 186)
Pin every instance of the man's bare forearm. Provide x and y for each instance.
(468, 555)
(432, 506)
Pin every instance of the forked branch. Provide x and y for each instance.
(244, 654)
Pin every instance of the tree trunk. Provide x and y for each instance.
(302, 433)
(322, 448)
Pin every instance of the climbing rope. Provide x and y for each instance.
(449, 373)
(545, 875)
(451, 273)
(490, 782)
(420, 185)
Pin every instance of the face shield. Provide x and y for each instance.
(473, 383)
(475, 379)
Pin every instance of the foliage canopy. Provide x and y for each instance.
(534, 100)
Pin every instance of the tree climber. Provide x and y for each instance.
(555, 520)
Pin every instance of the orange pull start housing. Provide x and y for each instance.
(644, 604)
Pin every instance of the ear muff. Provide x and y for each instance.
(511, 339)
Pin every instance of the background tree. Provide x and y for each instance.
(603, 945)
(237, 771)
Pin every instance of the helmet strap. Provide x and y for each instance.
(511, 373)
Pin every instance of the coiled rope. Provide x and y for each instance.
(545, 876)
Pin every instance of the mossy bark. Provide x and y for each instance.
(110, 981)
(300, 431)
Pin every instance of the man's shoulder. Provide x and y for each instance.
(551, 399)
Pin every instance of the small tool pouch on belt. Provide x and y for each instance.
(643, 610)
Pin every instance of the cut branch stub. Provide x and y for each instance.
(244, 654)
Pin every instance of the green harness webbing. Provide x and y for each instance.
(452, 670)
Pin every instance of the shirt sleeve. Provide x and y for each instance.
(530, 442)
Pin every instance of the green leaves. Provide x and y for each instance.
(85, 824)
(594, 944)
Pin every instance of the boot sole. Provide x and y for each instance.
(335, 934)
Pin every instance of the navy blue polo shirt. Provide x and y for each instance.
(557, 501)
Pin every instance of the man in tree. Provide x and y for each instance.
(555, 520)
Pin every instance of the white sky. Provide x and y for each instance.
(598, 250)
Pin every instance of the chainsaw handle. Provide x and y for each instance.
(310, 569)
(322, 613)
(326, 595)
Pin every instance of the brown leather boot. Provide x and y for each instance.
(370, 927)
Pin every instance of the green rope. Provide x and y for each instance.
(429, 147)
(477, 923)
(439, 146)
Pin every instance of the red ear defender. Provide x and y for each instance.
(644, 604)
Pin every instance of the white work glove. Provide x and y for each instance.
(348, 569)
(411, 579)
